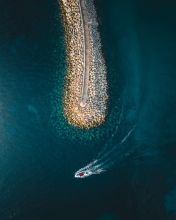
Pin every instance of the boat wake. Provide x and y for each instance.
(104, 161)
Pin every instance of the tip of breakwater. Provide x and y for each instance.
(88, 110)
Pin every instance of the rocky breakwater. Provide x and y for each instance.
(86, 95)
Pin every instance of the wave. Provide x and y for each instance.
(104, 160)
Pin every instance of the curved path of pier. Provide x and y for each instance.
(86, 37)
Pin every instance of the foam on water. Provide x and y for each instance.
(106, 161)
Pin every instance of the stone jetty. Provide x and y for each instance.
(86, 37)
(86, 89)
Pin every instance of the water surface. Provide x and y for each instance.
(40, 152)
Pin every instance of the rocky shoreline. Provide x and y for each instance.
(93, 113)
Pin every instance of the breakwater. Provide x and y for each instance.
(86, 95)
(85, 27)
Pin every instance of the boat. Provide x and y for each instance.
(82, 174)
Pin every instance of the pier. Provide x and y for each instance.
(86, 90)
(84, 21)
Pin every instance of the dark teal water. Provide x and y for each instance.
(40, 152)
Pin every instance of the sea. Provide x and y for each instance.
(131, 157)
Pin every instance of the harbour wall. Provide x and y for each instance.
(86, 90)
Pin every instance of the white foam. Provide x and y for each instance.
(103, 163)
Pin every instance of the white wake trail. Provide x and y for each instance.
(104, 162)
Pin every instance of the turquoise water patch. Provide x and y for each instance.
(34, 111)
